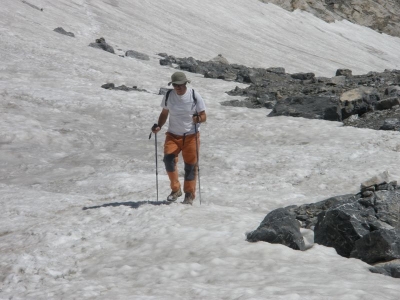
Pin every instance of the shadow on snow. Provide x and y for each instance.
(130, 204)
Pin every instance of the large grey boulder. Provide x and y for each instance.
(375, 209)
(387, 206)
(358, 101)
(377, 246)
(310, 107)
(341, 226)
(279, 227)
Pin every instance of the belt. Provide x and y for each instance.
(178, 137)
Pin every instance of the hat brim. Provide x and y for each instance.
(179, 82)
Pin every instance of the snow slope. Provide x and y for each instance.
(79, 217)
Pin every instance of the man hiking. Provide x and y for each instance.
(186, 110)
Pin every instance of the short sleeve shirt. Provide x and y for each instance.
(181, 110)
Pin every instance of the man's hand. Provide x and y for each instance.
(155, 128)
(196, 119)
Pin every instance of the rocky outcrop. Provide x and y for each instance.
(382, 15)
(365, 225)
(370, 100)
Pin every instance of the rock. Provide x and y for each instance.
(249, 103)
(303, 76)
(111, 86)
(387, 103)
(62, 31)
(338, 80)
(358, 101)
(220, 59)
(377, 246)
(165, 62)
(344, 72)
(376, 180)
(137, 55)
(310, 107)
(108, 86)
(308, 213)
(101, 44)
(228, 76)
(393, 91)
(189, 64)
(387, 206)
(342, 225)
(391, 268)
(365, 226)
(276, 70)
(279, 227)
(378, 120)
(391, 124)
(123, 88)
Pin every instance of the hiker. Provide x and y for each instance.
(186, 110)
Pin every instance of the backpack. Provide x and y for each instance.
(169, 91)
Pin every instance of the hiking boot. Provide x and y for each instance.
(188, 199)
(174, 195)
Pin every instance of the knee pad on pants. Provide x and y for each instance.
(169, 161)
(189, 172)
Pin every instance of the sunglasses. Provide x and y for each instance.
(178, 85)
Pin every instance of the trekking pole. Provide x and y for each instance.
(155, 146)
(198, 158)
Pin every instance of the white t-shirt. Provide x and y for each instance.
(181, 110)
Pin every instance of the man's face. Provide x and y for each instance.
(180, 89)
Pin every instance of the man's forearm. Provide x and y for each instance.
(162, 119)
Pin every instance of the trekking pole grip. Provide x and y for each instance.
(152, 129)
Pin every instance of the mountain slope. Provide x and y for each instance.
(79, 217)
(382, 16)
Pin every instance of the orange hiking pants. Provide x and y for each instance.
(174, 144)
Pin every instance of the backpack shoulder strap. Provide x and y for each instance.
(166, 97)
(194, 98)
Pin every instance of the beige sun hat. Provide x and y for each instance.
(178, 78)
